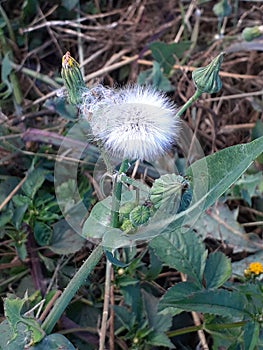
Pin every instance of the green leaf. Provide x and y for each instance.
(99, 220)
(159, 339)
(155, 77)
(217, 270)
(164, 53)
(155, 266)
(217, 302)
(34, 181)
(126, 318)
(42, 233)
(54, 342)
(158, 322)
(223, 169)
(22, 339)
(20, 200)
(251, 334)
(5, 217)
(64, 239)
(182, 251)
(5, 71)
(211, 177)
(69, 4)
(13, 308)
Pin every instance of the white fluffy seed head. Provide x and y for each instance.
(134, 122)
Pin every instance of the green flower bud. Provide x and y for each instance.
(140, 215)
(166, 192)
(222, 9)
(125, 210)
(251, 33)
(206, 79)
(72, 78)
(127, 227)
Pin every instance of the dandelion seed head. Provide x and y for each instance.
(134, 123)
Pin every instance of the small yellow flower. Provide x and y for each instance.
(255, 268)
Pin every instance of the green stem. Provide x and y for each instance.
(116, 195)
(214, 327)
(191, 100)
(71, 289)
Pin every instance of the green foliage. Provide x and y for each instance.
(13, 311)
(164, 56)
(183, 252)
(155, 77)
(5, 71)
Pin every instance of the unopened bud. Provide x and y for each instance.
(140, 215)
(206, 79)
(222, 9)
(72, 78)
(251, 33)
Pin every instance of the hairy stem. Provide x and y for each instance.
(71, 289)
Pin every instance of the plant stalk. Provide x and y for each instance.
(71, 289)
(187, 104)
(116, 200)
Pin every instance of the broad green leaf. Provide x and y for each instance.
(20, 200)
(64, 239)
(224, 168)
(159, 339)
(217, 270)
(182, 251)
(98, 221)
(7, 186)
(158, 322)
(251, 334)
(164, 53)
(126, 318)
(217, 302)
(22, 339)
(155, 266)
(5, 217)
(211, 177)
(98, 225)
(54, 342)
(154, 77)
(42, 233)
(34, 181)
(13, 308)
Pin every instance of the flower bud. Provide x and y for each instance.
(140, 215)
(251, 33)
(206, 79)
(72, 78)
(222, 9)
